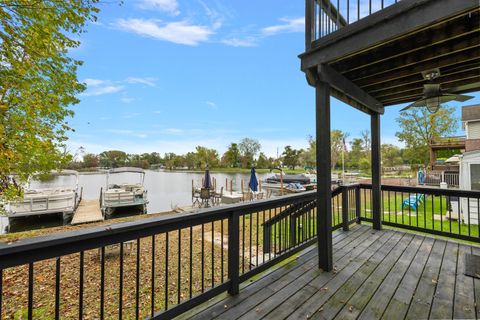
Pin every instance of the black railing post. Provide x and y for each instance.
(358, 203)
(345, 208)
(309, 23)
(293, 231)
(267, 229)
(234, 252)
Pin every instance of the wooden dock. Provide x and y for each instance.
(88, 211)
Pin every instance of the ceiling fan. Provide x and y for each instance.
(433, 95)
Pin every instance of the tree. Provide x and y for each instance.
(337, 138)
(249, 148)
(419, 126)
(231, 157)
(91, 160)
(291, 157)
(38, 84)
(113, 159)
(309, 156)
(206, 156)
(263, 162)
(391, 155)
(356, 153)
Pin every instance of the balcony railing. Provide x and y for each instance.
(327, 16)
(161, 267)
(157, 267)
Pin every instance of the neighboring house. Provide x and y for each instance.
(470, 161)
(471, 125)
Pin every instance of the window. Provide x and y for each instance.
(475, 176)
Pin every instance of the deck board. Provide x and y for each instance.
(388, 274)
(88, 211)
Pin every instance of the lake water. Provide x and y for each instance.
(166, 190)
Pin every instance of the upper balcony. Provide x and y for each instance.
(385, 48)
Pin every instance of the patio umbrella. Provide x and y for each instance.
(207, 181)
(253, 184)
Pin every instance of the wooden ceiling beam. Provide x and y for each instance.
(418, 78)
(456, 77)
(349, 89)
(440, 62)
(453, 47)
(423, 39)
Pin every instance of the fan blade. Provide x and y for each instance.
(418, 103)
(461, 97)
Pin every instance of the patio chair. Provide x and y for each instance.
(195, 197)
(205, 196)
(413, 201)
(217, 196)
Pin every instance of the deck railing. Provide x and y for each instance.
(327, 16)
(451, 213)
(160, 267)
(157, 267)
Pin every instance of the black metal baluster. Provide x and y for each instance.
(213, 255)
(256, 236)
(425, 211)
(403, 213)
(152, 307)
(57, 290)
(468, 210)
(441, 214)
(250, 242)
(433, 212)
(410, 210)
(179, 274)
(478, 225)
(80, 294)
(1, 291)
(358, 10)
(243, 243)
(102, 283)
(190, 282)
(389, 210)
(263, 230)
(137, 283)
(459, 218)
(30, 290)
(395, 205)
(416, 208)
(348, 11)
(166, 271)
(274, 237)
(221, 251)
(449, 210)
(120, 296)
(203, 258)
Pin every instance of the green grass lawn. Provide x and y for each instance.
(431, 214)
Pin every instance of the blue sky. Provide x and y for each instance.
(168, 75)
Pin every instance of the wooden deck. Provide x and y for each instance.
(88, 211)
(385, 274)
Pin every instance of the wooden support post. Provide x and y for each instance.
(324, 191)
(376, 167)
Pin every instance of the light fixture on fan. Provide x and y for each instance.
(432, 104)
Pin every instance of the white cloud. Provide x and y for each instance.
(239, 42)
(101, 90)
(211, 104)
(170, 6)
(147, 81)
(180, 32)
(157, 111)
(130, 133)
(288, 25)
(94, 82)
(127, 99)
